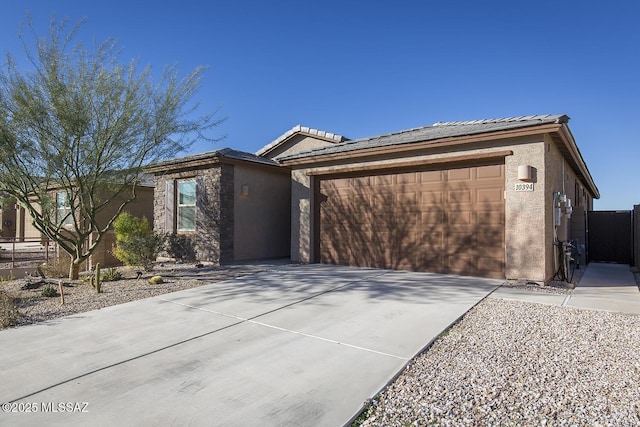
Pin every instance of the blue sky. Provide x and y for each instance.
(361, 68)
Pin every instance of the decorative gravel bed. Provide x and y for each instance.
(80, 296)
(516, 363)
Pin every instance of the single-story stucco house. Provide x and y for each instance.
(484, 198)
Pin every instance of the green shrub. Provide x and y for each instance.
(8, 278)
(111, 275)
(156, 280)
(182, 248)
(136, 244)
(8, 310)
(49, 291)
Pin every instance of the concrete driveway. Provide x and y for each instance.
(298, 345)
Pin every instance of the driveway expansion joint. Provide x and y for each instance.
(267, 325)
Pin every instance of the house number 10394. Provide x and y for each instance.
(524, 186)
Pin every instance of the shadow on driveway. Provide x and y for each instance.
(297, 345)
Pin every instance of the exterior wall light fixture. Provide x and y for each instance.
(525, 173)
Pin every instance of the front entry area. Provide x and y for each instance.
(448, 220)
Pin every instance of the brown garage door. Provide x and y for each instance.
(446, 221)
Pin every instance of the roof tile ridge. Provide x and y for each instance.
(499, 120)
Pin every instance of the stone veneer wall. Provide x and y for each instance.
(214, 210)
(226, 228)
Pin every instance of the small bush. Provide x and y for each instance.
(8, 311)
(111, 275)
(136, 244)
(57, 267)
(156, 280)
(182, 248)
(8, 278)
(49, 291)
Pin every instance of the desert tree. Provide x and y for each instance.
(76, 128)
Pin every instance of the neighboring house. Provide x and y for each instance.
(142, 206)
(481, 198)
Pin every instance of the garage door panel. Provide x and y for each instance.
(383, 180)
(489, 172)
(491, 267)
(431, 261)
(449, 221)
(431, 176)
(459, 264)
(432, 217)
(489, 195)
(410, 198)
(406, 178)
(459, 174)
(431, 197)
(431, 240)
(459, 218)
(459, 196)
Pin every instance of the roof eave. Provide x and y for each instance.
(569, 148)
(180, 164)
(203, 163)
(316, 159)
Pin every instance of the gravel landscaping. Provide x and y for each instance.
(80, 296)
(516, 363)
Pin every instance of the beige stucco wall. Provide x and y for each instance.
(562, 178)
(529, 232)
(262, 218)
(525, 255)
(301, 216)
(30, 231)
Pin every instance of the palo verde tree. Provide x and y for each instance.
(77, 127)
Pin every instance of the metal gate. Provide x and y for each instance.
(611, 236)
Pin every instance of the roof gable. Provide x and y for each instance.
(273, 149)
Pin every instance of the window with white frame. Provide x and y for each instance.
(64, 215)
(186, 220)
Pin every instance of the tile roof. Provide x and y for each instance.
(300, 129)
(436, 131)
(226, 153)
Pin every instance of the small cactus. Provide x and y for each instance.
(97, 280)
